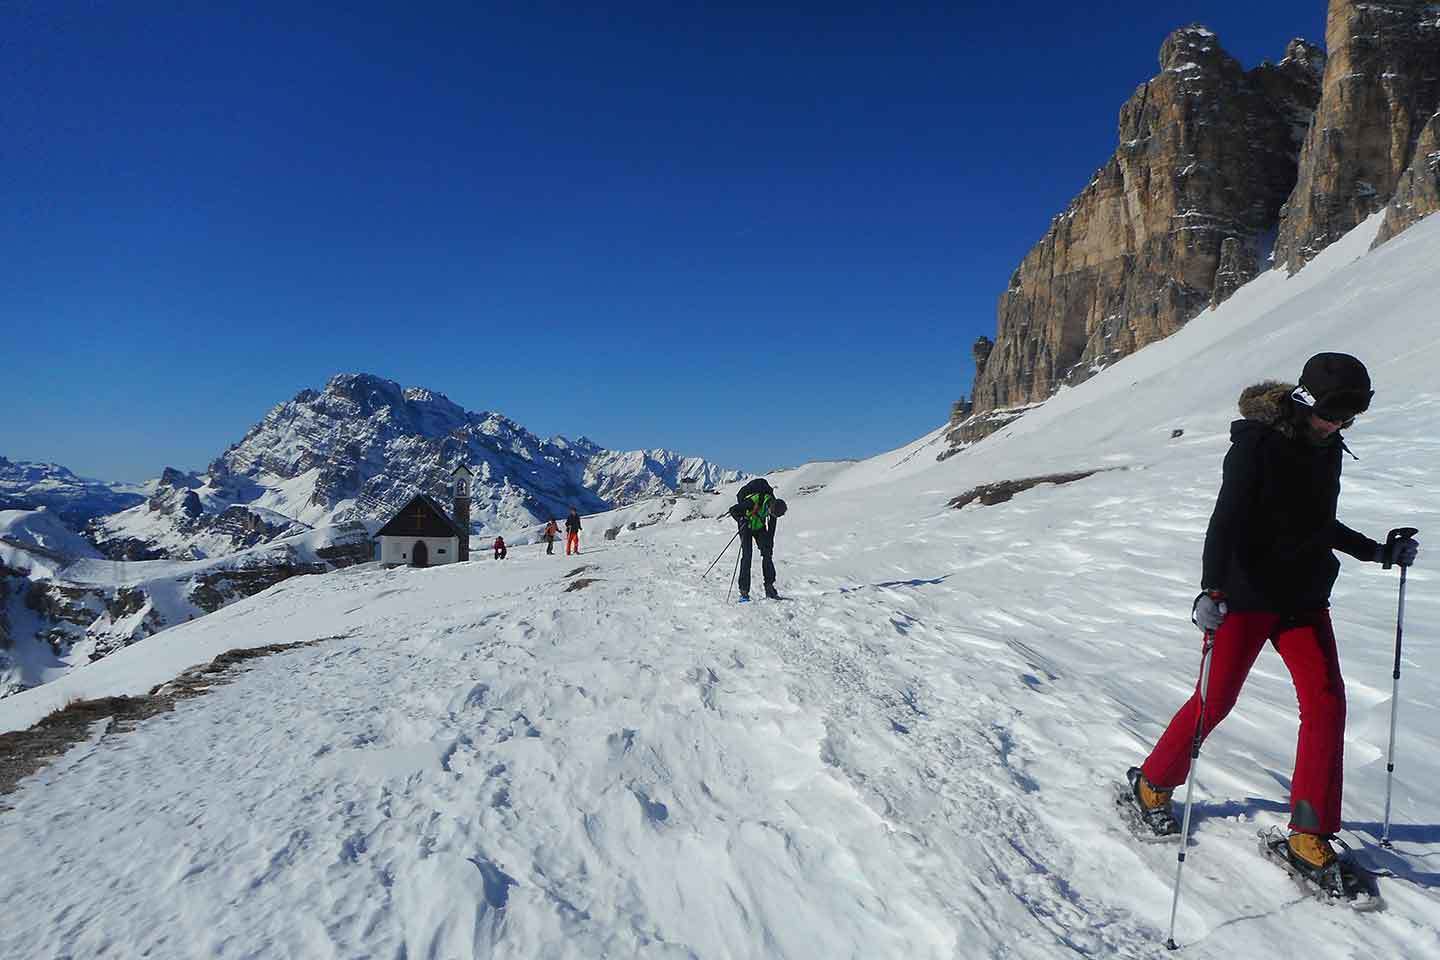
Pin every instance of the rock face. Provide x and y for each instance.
(1381, 88)
(1207, 154)
(1238, 266)
(1417, 194)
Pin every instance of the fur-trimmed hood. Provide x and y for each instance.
(1269, 403)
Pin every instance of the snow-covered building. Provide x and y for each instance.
(422, 534)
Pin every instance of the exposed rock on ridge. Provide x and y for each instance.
(1381, 89)
(1417, 194)
(1207, 154)
(59, 624)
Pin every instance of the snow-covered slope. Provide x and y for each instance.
(63, 607)
(26, 486)
(43, 532)
(360, 449)
(911, 757)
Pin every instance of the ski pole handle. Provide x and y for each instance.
(1399, 533)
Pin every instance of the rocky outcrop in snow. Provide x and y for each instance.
(1207, 155)
(188, 518)
(1381, 91)
(1417, 193)
(60, 611)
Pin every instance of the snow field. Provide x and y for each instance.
(913, 756)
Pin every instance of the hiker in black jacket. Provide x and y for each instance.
(756, 510)
(1269, 565)
(572, 532)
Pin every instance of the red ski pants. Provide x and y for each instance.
(572, 543)
(1307, 645)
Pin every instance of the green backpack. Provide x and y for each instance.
(759, 510)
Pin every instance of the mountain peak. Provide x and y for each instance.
(365, 444)
(1191, 46)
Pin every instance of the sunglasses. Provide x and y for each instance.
(1340, 424)
(1340, 408)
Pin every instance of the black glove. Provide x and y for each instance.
(737, 512)
(1401, 551)
(778, 508)
(1209, 610)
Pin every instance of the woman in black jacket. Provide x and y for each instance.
(1269, 566)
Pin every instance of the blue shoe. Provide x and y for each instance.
(744, 598)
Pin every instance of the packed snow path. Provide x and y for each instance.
(890, 764)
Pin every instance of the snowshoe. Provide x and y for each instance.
(1154, 823)
(1340, 881)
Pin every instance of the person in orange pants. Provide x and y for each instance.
(572, 532)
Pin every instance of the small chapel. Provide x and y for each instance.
(422, 534)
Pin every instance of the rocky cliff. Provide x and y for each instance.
(1381, 90)
(1176, 219)
(1417, 193)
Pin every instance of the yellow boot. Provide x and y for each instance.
(1150, 796)
(1311, 849)
(1153, 804)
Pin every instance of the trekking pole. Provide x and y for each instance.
(733, 574)
(1396, 534)
(1170, 943)
(717, 558)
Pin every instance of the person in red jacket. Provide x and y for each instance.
(1269, 566)
(552, 531)
(500, 550)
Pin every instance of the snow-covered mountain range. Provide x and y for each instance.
(25, 485)
(359, 449)
(299, 494)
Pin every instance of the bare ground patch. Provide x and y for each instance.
(25, 752)
(990, 494)
(581, 584)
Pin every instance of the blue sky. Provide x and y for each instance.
(759, 233)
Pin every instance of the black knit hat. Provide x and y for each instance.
(1335, 386)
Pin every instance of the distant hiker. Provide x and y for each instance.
(756, 510)
(572, 532)
(500, 548)
(1268, 570)
(552, 530)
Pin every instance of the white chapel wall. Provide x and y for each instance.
(396, 550)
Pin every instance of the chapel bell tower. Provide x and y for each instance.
(461, 507)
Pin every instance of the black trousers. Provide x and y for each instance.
(766, 541)
(549, 544)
